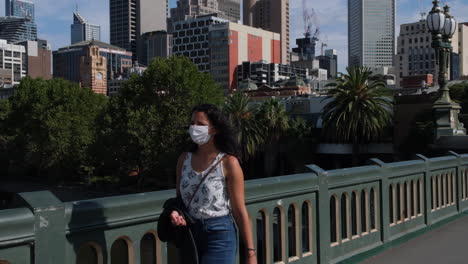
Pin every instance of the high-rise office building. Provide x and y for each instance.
(232, 44)
(270, 15)
(371, 33)
(190, 38)
(186, 9)
(463, 48)
(129, 19)
(17, 29)
(155, 44)
(416, 57)
(18, 24)
(83, 31)
(20, 8)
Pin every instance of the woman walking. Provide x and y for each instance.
(210, 182)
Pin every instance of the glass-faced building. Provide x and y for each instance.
(129, 19)
(83, 31)
(19, 8)
(17, 29)
(371, 33)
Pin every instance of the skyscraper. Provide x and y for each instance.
(17, 29)
(186, 9)
(83, 31)
(19, 8)
(155, 44)
(371, 33)
(18, 25)
(129, 19)
(191, 39)
(271, 15)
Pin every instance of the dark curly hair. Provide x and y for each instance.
(225, 140)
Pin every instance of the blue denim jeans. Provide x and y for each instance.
(216, 240)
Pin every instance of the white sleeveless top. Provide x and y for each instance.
(211, 199)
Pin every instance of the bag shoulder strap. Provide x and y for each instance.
(203, 179)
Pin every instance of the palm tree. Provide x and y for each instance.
(360, 109)
(275, 123)
(243, 118)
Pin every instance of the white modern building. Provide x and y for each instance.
(371, 33)
(12, 63)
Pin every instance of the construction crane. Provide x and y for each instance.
(324, 44)
(310, 19)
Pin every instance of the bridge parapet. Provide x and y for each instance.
(314, 217)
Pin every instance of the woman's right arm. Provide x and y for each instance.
(180, 163)
(176, 219)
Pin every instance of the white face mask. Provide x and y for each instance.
(199, 134)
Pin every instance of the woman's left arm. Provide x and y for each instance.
(235, 184)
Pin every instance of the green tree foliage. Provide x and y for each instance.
(459, 93)
(5, 139)
(51, 124)
(146, 125)
(244, 118)
(274, 120)
(275, 123)
(360, 109)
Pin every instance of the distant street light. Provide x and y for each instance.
(442, 27)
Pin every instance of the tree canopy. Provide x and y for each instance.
(360, 109)
(146, 124)
(50, 125)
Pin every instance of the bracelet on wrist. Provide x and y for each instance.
(251, 249)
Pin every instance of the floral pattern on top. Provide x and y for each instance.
(211, 200)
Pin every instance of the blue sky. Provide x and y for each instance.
(55, 16)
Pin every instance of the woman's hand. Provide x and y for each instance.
(177, 219)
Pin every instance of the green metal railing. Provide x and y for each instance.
(316, 217)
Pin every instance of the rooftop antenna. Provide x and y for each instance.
(423, 16)
(422, 13)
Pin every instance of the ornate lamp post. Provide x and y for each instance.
(442, 27)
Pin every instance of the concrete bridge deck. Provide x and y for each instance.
(447, 244)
